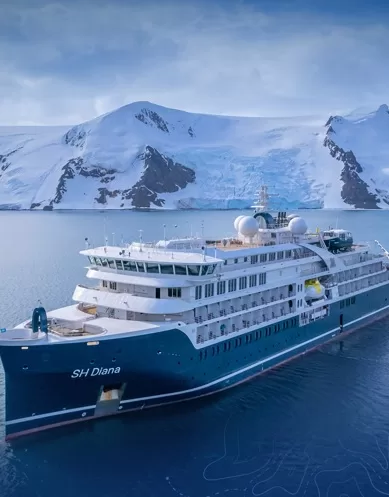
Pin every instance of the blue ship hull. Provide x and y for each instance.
(49, 385)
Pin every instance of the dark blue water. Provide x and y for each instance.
(318, 426)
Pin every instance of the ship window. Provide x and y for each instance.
(209, 290)
(111, 263)
(98, 261)
(258, 334)
(167, 269)
(198, 292)
(263, 258)
(126, 265)
(221, 287)
(129, 266)
(174, 292)
(152, 268)
(353, 300)
(211, 269)
(232, 285)
(262, 279)
(204, 270)
(112, 285)
(347, 302)
(341, 304)
(119, 264)
(242, 283)
(181, 270)
(253, 280)
(92, 260)
(105, 284)
(194, 270)
(245, 259)
(280, 255)
(235, 261)
(254, 259)
(140, 266)
(272, 256)
(238, 342)
(288, 254)
(104, 262)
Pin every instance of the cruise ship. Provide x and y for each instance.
(188, 317)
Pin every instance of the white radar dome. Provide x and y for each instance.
(248, 226)
(236, 222)
(298, 226)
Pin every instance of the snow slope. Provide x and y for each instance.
(146, 156)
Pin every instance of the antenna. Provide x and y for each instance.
(86, 243)
(140, 240)
(263, 196)
(113, 239)
(105, 231)
(164, 234)
(202, 229)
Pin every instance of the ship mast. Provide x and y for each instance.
(262, 199)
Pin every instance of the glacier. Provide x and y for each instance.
(146, 156)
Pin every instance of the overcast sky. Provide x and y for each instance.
(64, 62)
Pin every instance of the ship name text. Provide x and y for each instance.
(83, 373)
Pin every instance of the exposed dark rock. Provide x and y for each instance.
(104, 193)
(329, 121)
(94, 172)
(77, 167)
(48, 208)
(5, 163)
(75, 137)
(190, 132)
(68, 173)
(148, 117)
(34, 205)
(107, 179)
(354, 191)
(161, 175)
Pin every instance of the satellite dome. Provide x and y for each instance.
(298, 226)
(291, 216)
(236, 222)
(248, 226)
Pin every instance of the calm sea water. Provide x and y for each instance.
(318, 426)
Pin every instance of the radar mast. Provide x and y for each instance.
(262, 196)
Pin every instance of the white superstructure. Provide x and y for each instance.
(272, 269)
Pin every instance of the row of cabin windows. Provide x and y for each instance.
(250, 337)
(174, 292)
(230, 285)
(110, 284)
(261, 258)
(152, 267)
(347, 302)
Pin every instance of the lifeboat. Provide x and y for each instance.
(314, 289)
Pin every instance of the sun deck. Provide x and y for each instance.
(72, 323)
(151, 253)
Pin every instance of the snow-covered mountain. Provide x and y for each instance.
(147, 156)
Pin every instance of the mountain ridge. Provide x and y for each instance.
(144, 155)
